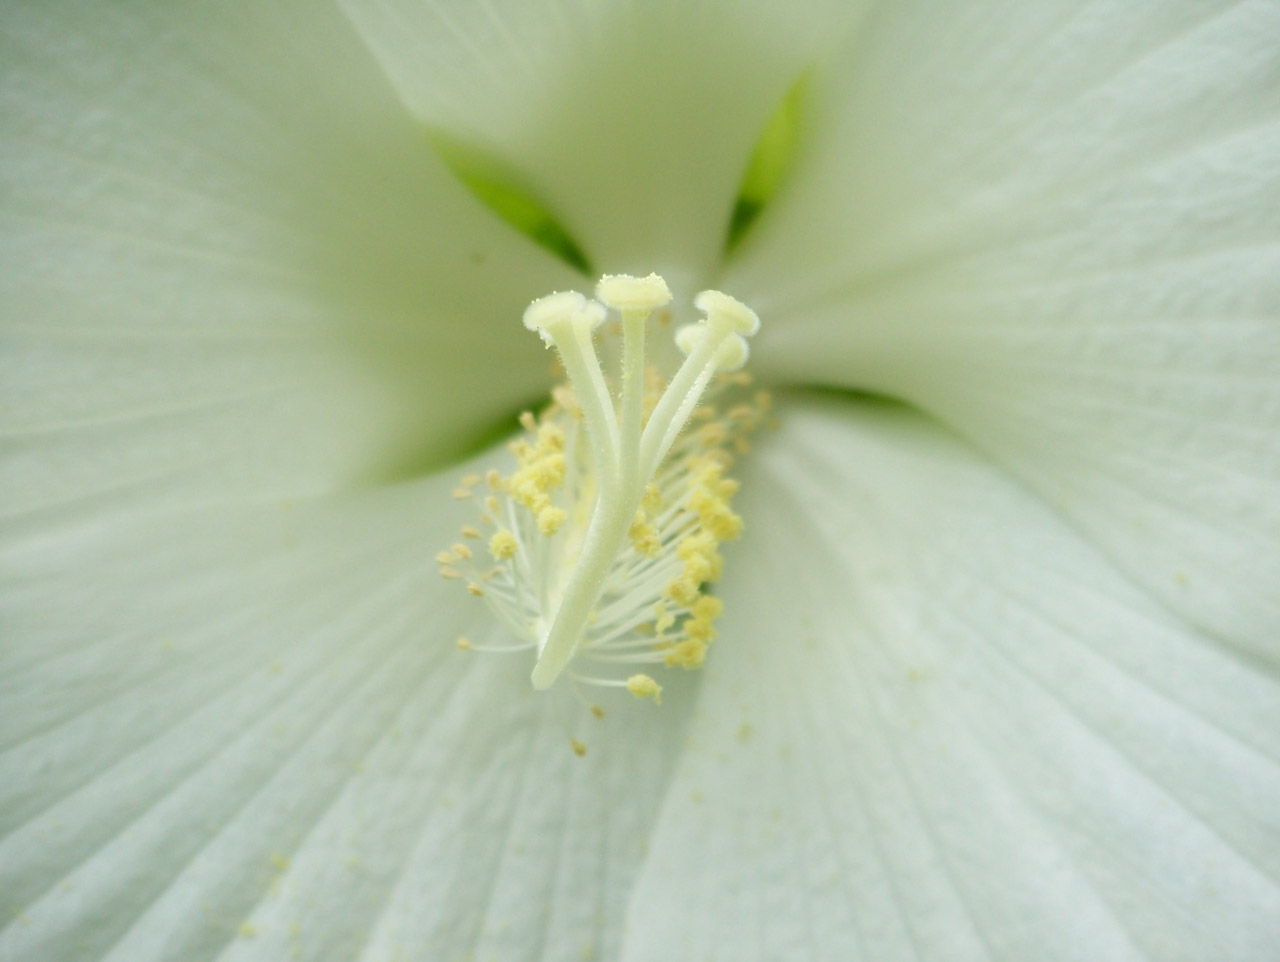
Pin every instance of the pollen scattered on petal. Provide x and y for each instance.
(579, 749)
(463, 643)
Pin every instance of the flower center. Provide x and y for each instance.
(603, 538)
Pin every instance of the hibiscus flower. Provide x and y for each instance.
(997, 672)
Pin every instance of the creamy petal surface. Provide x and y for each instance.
(238, 734)
(247, 313)
(233, 265)
(632, 122)
(957, 732)
(1054, 227)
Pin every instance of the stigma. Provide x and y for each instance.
(598, 550)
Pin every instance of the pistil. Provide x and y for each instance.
(601, 544)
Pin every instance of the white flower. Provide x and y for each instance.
(997, 676)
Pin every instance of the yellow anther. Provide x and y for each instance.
(644, 536)
(475, 589)
(550, 520)
(642, 686)
(503, 544)
(683, 591)
(550, 437)
(664, 618)
(697, 568)
(461, 550)
(469, 481)
(652, 499)
(708, 607)
(493, 478)
(491, 505)
(470, 531)
(699, 628)
(461, 494)
(452, 574)
(527, 421)
(463, 643)
(446, 558)
(687, 655)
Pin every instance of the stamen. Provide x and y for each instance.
(606, 533)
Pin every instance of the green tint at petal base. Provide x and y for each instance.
(770, 160)
(491, 184)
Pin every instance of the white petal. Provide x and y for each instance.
(1056, 227)
(233, 264)
(259, 719)
(939, 726)
(631, 122)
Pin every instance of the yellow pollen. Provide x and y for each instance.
(644, 536)
(652, 499)
(642, 686)
(687, 654)
(550, 520)
(503, 545)
(700, 629)
(665, 618)
(579, 749)
(463, 644)
(708, 608)
(605, 528)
